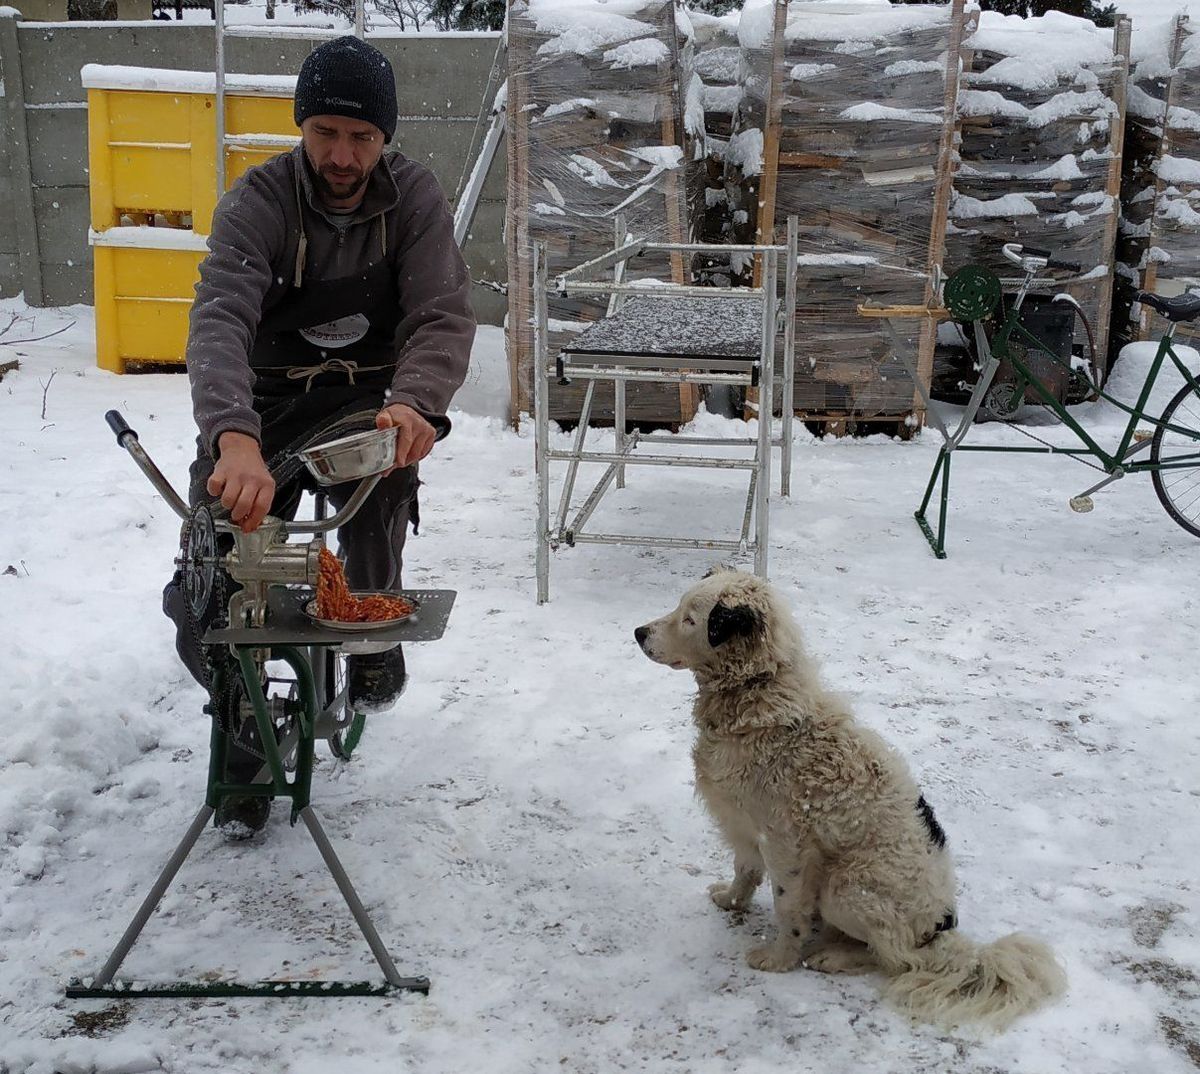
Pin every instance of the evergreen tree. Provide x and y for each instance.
(715, 7)
(1101, 13)
(467, 14)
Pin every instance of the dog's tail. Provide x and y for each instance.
(954, 981)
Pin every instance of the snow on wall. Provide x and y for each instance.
(157, 80)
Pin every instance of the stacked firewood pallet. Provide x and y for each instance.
(717, 64)
(853, 119)
(854, 111)
(1042, 112)
(596, 129)
(1158, 247)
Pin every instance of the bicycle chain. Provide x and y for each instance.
(215, 657)
(1046, 443)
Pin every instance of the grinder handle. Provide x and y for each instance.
(119, 426)
(128, 439)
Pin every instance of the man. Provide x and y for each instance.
(332, 279)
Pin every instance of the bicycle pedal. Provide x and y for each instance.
(1140, 436)
(1081, 504)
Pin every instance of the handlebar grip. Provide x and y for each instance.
(1070, 266)
(1033, 251)
(119, 426)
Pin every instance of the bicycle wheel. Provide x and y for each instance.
(343, 741)
(1178, 488)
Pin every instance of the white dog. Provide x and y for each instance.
(827, 809)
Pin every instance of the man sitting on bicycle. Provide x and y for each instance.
(332, 280)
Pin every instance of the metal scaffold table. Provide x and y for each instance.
(675, 334)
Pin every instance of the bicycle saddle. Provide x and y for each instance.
(1185, 307)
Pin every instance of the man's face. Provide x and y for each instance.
(342, 152)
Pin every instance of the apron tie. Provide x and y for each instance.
(330, 365)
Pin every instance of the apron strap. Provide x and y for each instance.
(330, 365)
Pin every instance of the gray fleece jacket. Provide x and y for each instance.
(270, 230)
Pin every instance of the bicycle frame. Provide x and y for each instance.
(1115, 465)
(1027, 379)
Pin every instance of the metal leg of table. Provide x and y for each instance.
(152, 899)
(766, 411)
(789, 357)
(363, 920)
(541, 420)
(619, 425)
(568, 489)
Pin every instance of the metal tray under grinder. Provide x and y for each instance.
(287, 623)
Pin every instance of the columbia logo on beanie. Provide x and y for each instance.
(348, 77)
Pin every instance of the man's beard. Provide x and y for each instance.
(327, 190)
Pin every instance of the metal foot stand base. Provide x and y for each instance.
(103, 986)
(937, 542)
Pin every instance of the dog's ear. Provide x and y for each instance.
(725, 622)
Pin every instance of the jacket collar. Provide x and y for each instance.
(382, 192)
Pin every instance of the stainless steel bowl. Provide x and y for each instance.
(351, 458)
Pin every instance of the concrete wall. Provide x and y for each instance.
(43, 160)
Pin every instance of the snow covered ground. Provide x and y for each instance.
(523, 827)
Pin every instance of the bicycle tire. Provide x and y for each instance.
(343, 741)
(1179, 490)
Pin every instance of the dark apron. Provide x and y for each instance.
(291, 405)
(294, 406)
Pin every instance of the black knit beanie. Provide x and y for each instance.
(348, 77)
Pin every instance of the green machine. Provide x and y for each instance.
(261, 587)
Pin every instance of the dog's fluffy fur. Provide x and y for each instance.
(858, 865)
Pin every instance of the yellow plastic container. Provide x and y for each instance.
(154, 150)
(143, 297)
(152, 145)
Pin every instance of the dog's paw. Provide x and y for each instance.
(772, 959)
(722, 894)
(840, 958)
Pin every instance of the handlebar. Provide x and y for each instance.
(128, 439)
(118, 424)
(1029, 256)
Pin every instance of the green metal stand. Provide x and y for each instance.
(938, 544)
(941, 468)
(298, 791)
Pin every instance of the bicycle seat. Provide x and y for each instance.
(1185, 307)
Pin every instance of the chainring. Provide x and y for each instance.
(198, 560)
(1001, 401)
(206, 589)
(972, 293)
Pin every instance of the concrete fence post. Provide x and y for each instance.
(28, 250)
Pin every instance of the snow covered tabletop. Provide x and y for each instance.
(691, 327)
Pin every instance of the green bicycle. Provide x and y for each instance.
(973, 294)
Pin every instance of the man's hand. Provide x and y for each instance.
(242, 480)
(414, 435)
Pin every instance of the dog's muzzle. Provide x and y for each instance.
(640, 635)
